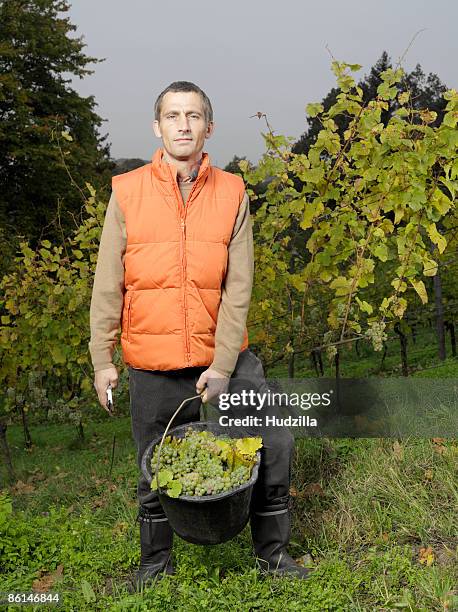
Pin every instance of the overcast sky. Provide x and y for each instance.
(248, 56)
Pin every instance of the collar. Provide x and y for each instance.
(193, 174)
(166, 172)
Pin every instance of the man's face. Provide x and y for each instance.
(182, 124)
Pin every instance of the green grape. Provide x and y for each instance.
(196, 462)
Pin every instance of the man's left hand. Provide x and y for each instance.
(216, 383)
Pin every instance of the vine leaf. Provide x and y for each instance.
(248, 446)
(174, 488)
(420, 288)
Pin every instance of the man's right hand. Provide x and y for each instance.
(102, 379)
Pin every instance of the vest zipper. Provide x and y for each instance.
(183, 269)
(128, 316)
(182, 214)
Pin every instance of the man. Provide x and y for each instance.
(175, 268)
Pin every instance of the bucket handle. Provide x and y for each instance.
(188, 399)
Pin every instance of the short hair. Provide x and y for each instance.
(184, 86)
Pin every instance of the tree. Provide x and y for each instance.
(127, 164)
(37, 110)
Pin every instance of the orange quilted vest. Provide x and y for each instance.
(175, 262)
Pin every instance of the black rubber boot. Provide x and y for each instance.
(156, 539)
(271, 532)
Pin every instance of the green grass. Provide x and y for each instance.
(367, 511)
(362, 509)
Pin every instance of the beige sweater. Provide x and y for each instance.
(108, 290)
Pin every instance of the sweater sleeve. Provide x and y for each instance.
(108, 289)
(235, 293)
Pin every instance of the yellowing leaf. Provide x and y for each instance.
(365, 306)
(428, 116)
(341, 285)
(399, 306)
(420, 288)
(310, 212)
(314, 109)
(387, 226)
(403, 97)
(399, 285)
(450, 119)
(437, 238)
(429, 267)
(239, 460)
(313, 175)
(426, 556)
(225, 448)
(398, 214)
(248, 446)
(91, 189)
(440, 201)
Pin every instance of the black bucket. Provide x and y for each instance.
(205, 519)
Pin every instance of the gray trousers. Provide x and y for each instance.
(154, 397)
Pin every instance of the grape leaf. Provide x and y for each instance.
(420, 288)
(225, 448)
(248, 446)
(174, 488)
(243, 460)
(165, 476)
(313, 109)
